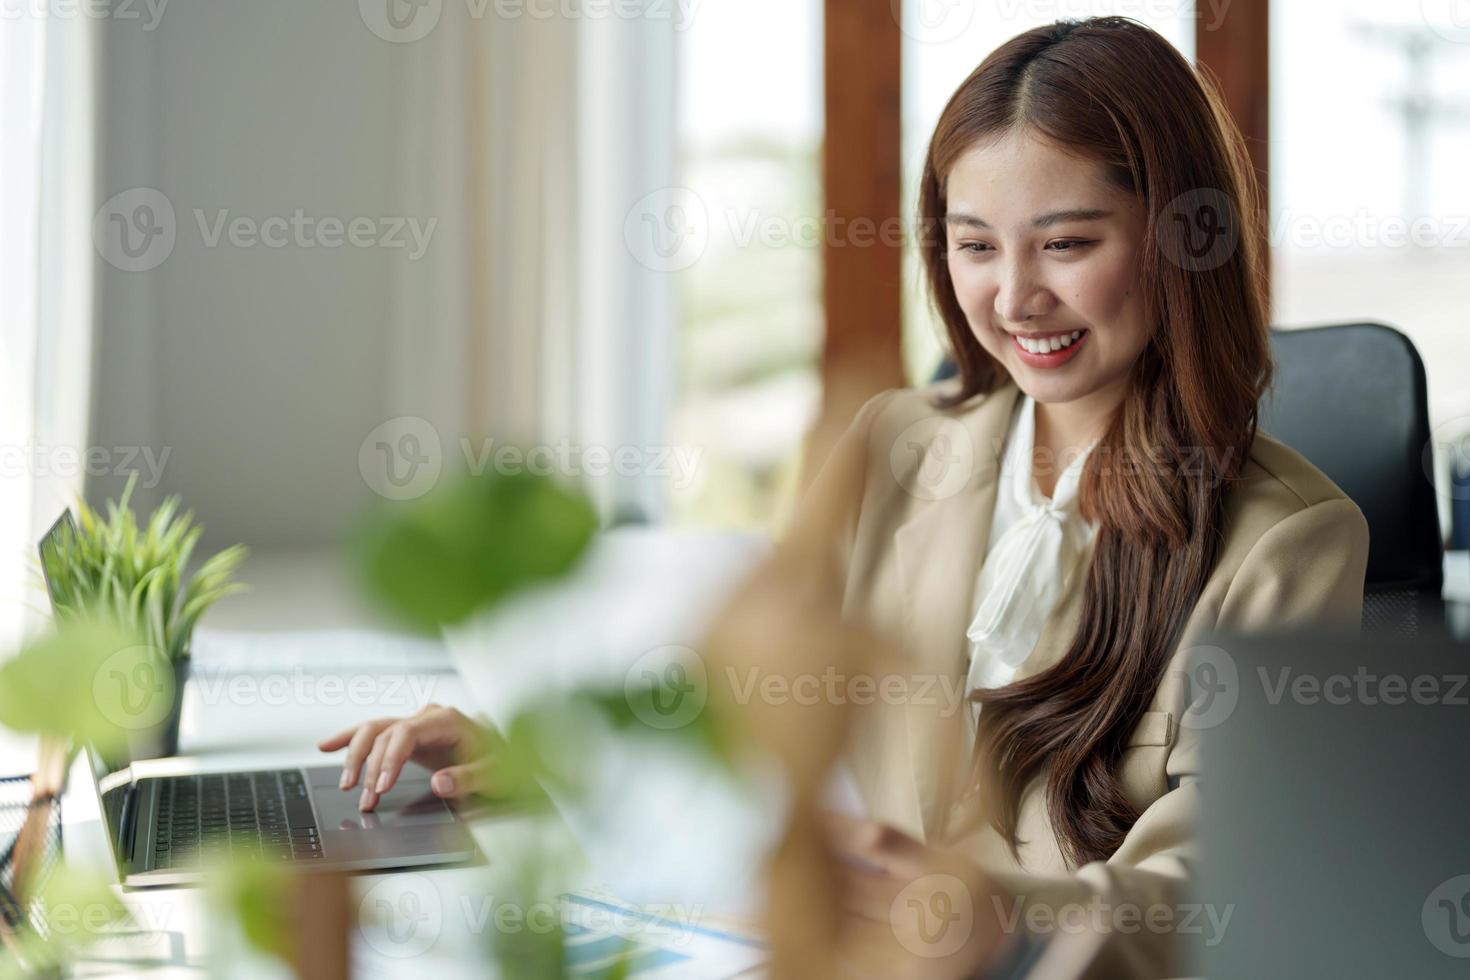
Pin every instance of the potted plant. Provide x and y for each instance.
(137, 576)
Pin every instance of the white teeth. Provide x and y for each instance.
(1048, 344)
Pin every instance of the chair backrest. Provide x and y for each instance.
(1352, 399)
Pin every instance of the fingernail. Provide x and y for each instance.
(362, 803)
(382, 786)
(345, 781)
(443, 783)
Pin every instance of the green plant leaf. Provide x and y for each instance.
(254, 895)
(469, 543)
(89, 704)
(78, 909)
(138, 575)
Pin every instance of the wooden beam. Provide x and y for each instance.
(862, 352)
(1237, 51)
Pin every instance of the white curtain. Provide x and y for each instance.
(47, 71)
(537, 136)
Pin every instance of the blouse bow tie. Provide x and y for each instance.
(1025, 570)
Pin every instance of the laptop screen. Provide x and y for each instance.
(64, 526)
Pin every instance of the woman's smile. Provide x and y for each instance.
(1049, 350)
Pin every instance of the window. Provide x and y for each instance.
(750, 130)
(1370, 132)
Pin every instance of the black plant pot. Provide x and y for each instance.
(162, 740)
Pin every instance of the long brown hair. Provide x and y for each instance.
(1115, 91)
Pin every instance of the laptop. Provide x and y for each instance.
(169, 827)
(1336, 788)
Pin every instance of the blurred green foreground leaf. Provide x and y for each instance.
(91, 680)
(469, 543)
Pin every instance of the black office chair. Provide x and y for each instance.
(1351, 399)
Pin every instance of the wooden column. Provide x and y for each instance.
(862, 250)
(1237, 51)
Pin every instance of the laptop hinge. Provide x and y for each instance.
(127, 825)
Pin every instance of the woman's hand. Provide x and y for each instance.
(443, 740)
(911, 910)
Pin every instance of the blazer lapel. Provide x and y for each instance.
(940, 552)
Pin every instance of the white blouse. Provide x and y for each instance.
(1035, 546)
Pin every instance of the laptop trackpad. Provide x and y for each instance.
(410, 803)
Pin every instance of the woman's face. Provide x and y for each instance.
(1041, 246)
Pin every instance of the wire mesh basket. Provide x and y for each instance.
(24, 913)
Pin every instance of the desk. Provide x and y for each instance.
(243, 721)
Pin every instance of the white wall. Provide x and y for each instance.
(258, 369)
(525, 141)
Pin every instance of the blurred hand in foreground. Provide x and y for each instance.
(912, 910)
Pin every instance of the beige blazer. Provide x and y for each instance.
(908, 554)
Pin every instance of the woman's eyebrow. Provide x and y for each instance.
(1040, 221)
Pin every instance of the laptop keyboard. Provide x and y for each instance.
(247, 816)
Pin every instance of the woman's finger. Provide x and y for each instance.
(400, 742)
(357, 750)
(452, 782)
(338, 740)
(372, 767)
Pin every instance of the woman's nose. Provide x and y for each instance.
(1021, 296)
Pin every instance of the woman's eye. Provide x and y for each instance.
(1061, 247)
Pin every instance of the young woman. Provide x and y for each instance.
(1058, 526)
(1051, 532)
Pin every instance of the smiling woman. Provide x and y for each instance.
(1056, 172)
(1092, 242)
(1068, 174)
